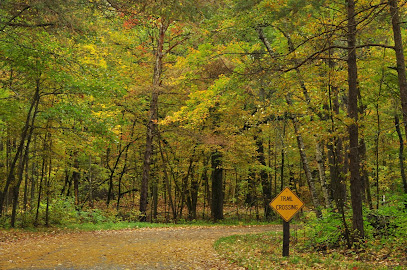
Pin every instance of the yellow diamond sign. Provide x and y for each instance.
(286, 204)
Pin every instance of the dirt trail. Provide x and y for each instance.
(158, 248)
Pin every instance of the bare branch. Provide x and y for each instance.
(30, 25)
(14, 17)
(316, 54)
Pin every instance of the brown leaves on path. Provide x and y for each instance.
(150, 248)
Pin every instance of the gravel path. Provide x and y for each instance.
(157, 248)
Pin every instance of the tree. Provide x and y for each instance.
(353, 131)
(401, 66)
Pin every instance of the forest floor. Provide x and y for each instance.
(146, 248)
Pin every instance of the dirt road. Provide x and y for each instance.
(158, 248)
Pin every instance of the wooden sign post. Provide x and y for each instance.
(286, 204)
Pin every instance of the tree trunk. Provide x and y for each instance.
(307, 170)
(111, 175)
(335, 156)
(305, 164)
(168, 184)
(185, 191)
(43, 168)
(251, 196)
(193, 198)
(353, 130)
(90, 180)
(265, 181)
(282, 159)
(34, 178)
(367, 196)
(401, 66)
(275, 166)
(152, 121)
(401, 153)
(24, 133)
(122, 172)
(205, 180)
(155, 200)
(48, 184)
(16, 188)
(191, 190)
(337, 180)
(217, 186)
(26, 184)
(321, 168)
(75, 178)
(24, 158)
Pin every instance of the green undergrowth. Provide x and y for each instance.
(120, 225)
(113, 226)
(321, 243)
(264, 251)
(135, 225)
(63, 213)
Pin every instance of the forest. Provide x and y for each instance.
(166, 111)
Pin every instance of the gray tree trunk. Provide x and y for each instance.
(319, 155)
(307, 170)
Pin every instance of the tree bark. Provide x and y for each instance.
(167, 183)
(265, 181)
(401, 153)
(305, 164)
(205, 181)
(353, 130)
(307, 169)
(34, 178)
(48, 182)
(321, 168)
(401, 66)
(90, 181)
(152, 121)
(364, 174)
(122, 172)
(43, 168)
(336, 160)
(24, 133)
(75, 178)
(282, 159)
(193, 198)
(191, 189)
(24, 156)
(217, 186)
(21, 167)
(26, 182)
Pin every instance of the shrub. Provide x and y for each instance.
(61, 211)
(386, 225)
(325, 233)
(389, 221)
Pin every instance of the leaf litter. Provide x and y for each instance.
(147, 248)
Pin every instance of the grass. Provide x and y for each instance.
(264, 251)
(113, 226)
(134, 225)
(119, 225)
